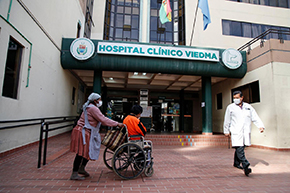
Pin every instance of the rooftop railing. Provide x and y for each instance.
(270, 33)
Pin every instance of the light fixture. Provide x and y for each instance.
(111, 78)
(144, 73)
(135, 73)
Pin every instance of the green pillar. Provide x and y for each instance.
(181, 113)
(105, 100)
(206, 106)
(97, 87)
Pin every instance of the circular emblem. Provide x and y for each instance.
(82, 48)
(232, 58)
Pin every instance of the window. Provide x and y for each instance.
(80, 98)
(265, 28)
(264, 2)
(236, 28)
(251, 92)
(122, 20)
(256, 30)
(73, 96)
(284, 36)
(273, 3)
(219, 101)
(254, 1)
(247, 30)
(12, 69)
(79, 29)
(283, 3)
(251, 30)
(226, 27)
(89, 20)
(170, 32)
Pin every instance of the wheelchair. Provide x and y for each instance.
(130, 159)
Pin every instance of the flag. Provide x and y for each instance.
(165, 12)
(203, 5)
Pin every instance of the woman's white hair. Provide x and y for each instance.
(91, 98)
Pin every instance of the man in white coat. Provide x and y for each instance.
(237, 124)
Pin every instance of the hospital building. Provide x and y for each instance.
(53, 54)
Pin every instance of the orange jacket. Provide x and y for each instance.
(134, 126)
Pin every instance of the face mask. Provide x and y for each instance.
(237, 101)
(100, 104)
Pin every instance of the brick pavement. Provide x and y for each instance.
(177, 169)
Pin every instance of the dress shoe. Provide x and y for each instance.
(247, 170)
(239, 167)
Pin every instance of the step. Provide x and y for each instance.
(188, 140)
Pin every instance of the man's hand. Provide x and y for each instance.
(227, 134)
(261, 129)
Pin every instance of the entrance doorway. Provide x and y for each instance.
(165, 110)
(121, 90)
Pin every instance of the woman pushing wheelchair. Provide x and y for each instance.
(85, 138)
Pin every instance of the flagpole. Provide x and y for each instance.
(193, 25)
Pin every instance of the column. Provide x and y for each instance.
(181, 113)
(105, 100)
(97, 86)
(206, 106)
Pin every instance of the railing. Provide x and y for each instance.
(41, 120)
(46, 130)
(44, 123)
(266, 35)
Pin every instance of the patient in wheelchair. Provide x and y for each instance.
(133, 123)
(135, 126)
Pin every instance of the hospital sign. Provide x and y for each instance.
(157, 51)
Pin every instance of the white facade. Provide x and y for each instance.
(49, 90)
(212, 36)
(273, 76)
(229, 10)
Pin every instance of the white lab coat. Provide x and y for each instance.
(238, 122)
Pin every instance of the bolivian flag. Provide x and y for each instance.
(165, 12)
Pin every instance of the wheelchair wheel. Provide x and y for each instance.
(107, 157)
(149, 171)
(128, 161)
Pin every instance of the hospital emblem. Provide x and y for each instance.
(82, 48)
(232, 58)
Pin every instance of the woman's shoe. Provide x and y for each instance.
(75, 176)
(83, 171)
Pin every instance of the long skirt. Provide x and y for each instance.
(77, 146)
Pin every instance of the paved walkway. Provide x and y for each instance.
(177, 169)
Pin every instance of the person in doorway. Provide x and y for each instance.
(237, 124)
(85, 137)
(133, 123)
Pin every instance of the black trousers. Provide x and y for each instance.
(240, 157)
(79, 160)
